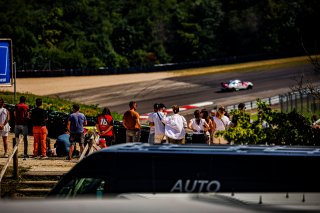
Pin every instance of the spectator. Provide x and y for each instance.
(240, 114)
(213, 113)
(151, 124)
(132, 123)
(39, 118)
(62, 145)
(76, 122)
(104, 126)
(158, 124)
(264, 124)
(21, 118)
(48, 143)
(198, 125)
(241, 107)
(315, 122)
(221, 123)
(4, 126)
(209, 133)
(316, 129)
(175, 127)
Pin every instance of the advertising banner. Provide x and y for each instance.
(5, 62)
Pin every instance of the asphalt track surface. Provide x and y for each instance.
(187, 90)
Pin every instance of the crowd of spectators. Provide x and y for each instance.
(166, 126)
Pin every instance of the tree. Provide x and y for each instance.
(281, 129)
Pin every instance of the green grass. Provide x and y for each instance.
(56, 104)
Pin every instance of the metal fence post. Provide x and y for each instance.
(301, 101)
(288, 99)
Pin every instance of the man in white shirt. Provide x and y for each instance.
(159, 126)
(175, 127)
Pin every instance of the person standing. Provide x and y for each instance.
(4, 126)
(104, 126)
(175, 127)
(21, 117)
(151, 124)
(131, 121)
(159, 126)
(240, 115)
(75, 125)
(38, 119)
(209, 133)
(199, 126)
(221, 123)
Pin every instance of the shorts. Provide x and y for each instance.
(76, 138)
(109, 140)
(4, 133)
(158, 139)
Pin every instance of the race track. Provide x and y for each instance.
(115, 91)
(190, 89)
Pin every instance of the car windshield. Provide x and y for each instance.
(83, 187)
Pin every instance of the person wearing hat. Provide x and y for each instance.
(221, 123)
(159, 126)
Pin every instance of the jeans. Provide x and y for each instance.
(22, 129)
(133, 135)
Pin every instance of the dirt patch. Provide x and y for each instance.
(51, 164)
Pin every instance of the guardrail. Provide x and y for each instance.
(287, 102)
(14, 155)
(253, 104)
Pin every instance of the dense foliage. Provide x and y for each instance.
(272, 127)
(85, 34)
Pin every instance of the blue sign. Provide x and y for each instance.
(5, 61)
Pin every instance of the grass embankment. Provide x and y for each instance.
(55, 104)
(248, 66)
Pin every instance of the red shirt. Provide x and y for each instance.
(21, 111)
(104, 122)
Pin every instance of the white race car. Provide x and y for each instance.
(234, 85)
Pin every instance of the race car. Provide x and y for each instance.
(235, 85)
